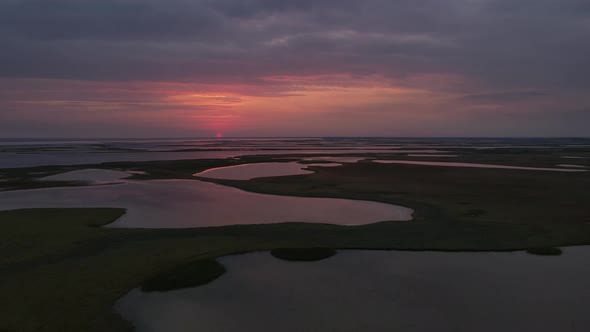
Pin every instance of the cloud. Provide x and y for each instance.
(473, 51)
(504, 96)
(498, 42)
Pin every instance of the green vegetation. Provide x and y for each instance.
(545, 251)
(59, 271)
(28, 178)
(303, 254)
(449, 194)
(56, 261)
(193, 274)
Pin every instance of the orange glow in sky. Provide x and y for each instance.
(269, 68)
(286, 105)
(328, 105)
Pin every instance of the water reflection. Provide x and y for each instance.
(89, 175)
(193, 203)
(379, 291)
(473, 165)
(252, 171)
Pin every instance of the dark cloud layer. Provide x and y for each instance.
(504, 97)
(501, 43)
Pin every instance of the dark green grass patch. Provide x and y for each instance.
(60, 271)
(52, 260)
(188, 275)
(303, 254)
(545, 251)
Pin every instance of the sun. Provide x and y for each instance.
(219, 135)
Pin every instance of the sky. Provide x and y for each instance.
(252, 68)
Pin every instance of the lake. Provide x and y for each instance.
(193, 203)
(378, 291)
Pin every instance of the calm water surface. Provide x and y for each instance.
(89, 175)
(193, 203)
(473, 165)
(258, 170)
(380, 291)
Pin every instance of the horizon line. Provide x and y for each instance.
(286, 137)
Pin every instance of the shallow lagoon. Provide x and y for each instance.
(434, 155)
(89, 175)
(336, 159)
(330, 164)
(378, 291)
(193, 203)
(259, 170)
(571, 166)
(29, 153)
(252, 171)
(17, 160)
(473, 165)
(573, 157)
